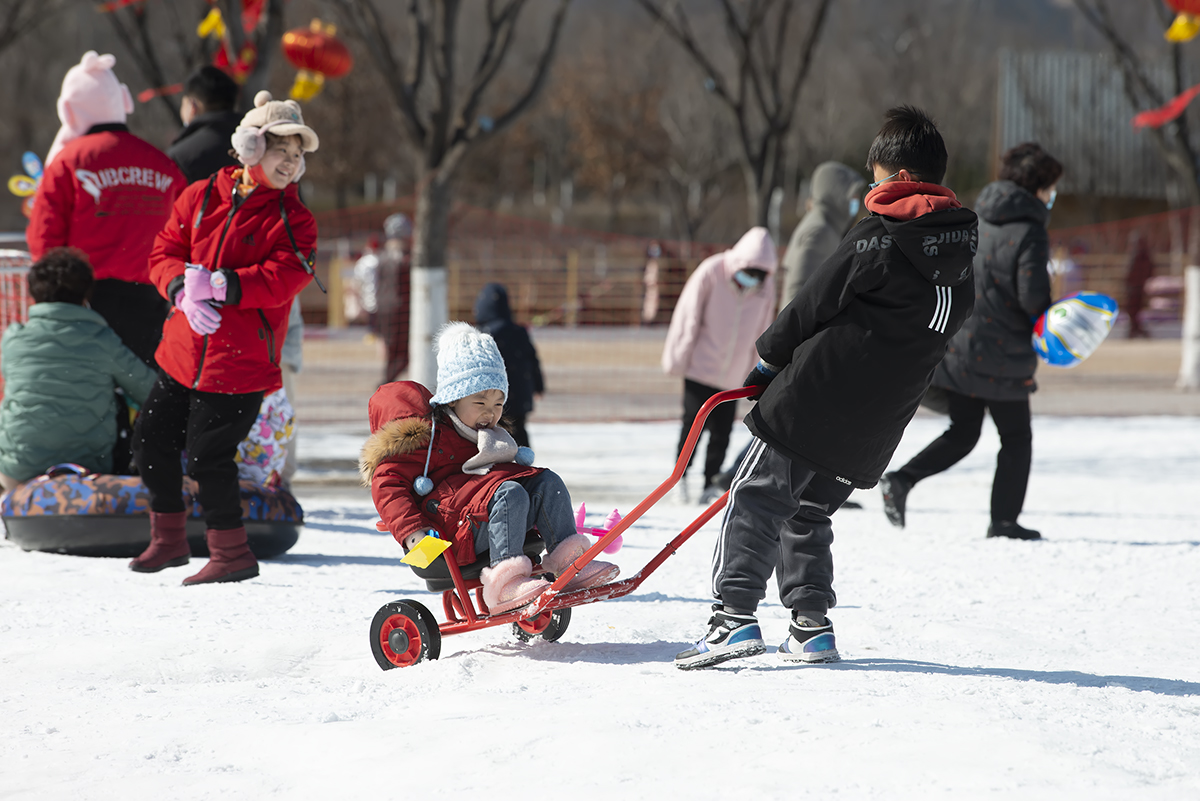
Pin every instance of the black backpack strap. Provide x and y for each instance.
(204, 203)
(308, 262)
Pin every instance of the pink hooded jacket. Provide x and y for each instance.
(716, 321)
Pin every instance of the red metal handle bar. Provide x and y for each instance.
(689, 445)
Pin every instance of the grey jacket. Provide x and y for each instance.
(992, 356)
(820, 232)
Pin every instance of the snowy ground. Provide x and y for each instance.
(974, 668)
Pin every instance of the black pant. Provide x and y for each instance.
(209, 426)
(777, 519)
(136, 312)
(719, 425)
(1012, 464)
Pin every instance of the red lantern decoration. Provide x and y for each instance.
(317, 53)
(1185, 6)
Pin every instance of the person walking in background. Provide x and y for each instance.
(831, 211)
(728, 301)
(209, 119)
(990, 364)
(392, 295)
(1141, 267)
(108, 193)
(493, 316)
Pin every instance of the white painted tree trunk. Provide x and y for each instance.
(428, 313)
(1189, 366)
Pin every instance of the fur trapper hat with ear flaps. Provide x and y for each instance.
(91, 95)
(279, 117)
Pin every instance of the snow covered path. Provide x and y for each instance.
(974, 668)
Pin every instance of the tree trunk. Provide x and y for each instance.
(429, 309)
(1189, 365)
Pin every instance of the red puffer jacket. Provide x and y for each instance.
(249, 243)
(107, 193)
(394, 456)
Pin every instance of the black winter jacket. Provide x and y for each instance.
(860, 341)
(992, 356)
(203, 146)
(493, 316)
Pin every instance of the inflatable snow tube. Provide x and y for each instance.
(1072, 328)
(71, 511)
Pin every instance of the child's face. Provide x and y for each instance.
(281, 161)
(481, 410)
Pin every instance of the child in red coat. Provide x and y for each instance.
(441, 463)
(236, 251)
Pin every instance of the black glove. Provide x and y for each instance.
(760, 377)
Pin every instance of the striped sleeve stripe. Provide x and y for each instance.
(941, 314)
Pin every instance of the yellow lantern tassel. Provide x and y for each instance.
(1184, 28)
(213, 25)
(307, 86)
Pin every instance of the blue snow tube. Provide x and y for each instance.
(69, 510)
(1072, 328)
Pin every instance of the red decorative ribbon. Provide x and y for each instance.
(1158, 117)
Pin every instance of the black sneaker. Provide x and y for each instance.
(1010, 529)
(812, 645)
(895, 489)
(729, 637)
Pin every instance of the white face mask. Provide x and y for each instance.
(746, 280)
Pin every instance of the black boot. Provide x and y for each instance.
(1010, 529)
(895, 489)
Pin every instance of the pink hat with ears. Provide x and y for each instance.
(91, 95)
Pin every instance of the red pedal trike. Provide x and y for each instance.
(405, 632)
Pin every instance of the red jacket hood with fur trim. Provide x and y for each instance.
(907, 200)
(393, 457)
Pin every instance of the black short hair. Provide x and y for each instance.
(61, 275)
(1030, 167)
(212, 87)
(909, 140)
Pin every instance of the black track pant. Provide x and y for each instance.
(136, 312)
(777, 519)
(1012, 464)
(209, 426)
(719, 425)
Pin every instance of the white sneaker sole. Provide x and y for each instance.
(748, 648)
(815, 658)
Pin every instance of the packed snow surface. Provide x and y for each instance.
(973, 668)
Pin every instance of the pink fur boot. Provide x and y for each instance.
(508, 585)
(593, 574)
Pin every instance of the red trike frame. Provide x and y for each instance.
(461, 612)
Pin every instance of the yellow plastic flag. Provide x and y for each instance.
(425, 551)
(1184, 28)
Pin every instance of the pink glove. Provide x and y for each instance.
(201, 284)
(201, 316)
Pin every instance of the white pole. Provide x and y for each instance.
(1189, 366)
(429, 312)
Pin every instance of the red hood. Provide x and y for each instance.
(907, 200)
(397, 400)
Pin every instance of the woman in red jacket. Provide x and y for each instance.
(441, 465)
(237, 249)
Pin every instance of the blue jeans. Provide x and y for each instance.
(540, 502)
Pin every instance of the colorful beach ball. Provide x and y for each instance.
(1073, 327)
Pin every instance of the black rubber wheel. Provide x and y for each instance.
(404, 633)
(549, 626)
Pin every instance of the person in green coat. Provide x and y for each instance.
(60, 371)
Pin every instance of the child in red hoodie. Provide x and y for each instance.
(237, 249)
(842, 371)
(442, 464)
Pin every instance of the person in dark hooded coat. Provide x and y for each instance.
(493, 316)
(990, 363)
(831, 211)
(209, 119)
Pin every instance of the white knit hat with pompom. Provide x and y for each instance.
(468, 362)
